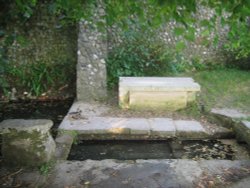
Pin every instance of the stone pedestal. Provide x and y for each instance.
(27, 142)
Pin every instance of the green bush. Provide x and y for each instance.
(141, 53)
(238, 45)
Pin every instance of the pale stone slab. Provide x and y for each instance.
(170, 92)
(97, 125)
(162, 127)
(158, 83)
(164, 100)
(231, 113)
(189, 129)
(137, 126)
(108, 125)
(246, 124)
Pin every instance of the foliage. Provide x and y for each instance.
(238, 44)
(141, 53)
(46, 168)
(37, 78)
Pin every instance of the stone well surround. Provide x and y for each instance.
(235, 120)
(86, 121)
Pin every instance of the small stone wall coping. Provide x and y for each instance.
(41, 125)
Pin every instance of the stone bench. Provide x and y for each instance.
(157, 92)
(27, 142)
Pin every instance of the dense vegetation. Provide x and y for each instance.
(150, 56)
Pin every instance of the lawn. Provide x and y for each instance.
(224, 88)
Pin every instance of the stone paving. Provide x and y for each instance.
(149, 174)
(152, 127)
(86, 119)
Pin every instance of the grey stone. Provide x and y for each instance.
(145, 173)
(189, 130)
(40, 125)
(91, 56)
(27, 142)
(162, 127)
(231, 113)
(242, 130)
(137, 126)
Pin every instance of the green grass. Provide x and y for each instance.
(224, 88)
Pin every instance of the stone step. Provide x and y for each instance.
(139, 127)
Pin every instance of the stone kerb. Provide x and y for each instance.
(233, 119)
(157, 92)
(27, 142)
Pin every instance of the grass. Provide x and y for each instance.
(224, 88)
(220, 88)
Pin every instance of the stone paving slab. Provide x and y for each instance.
(148, 173)
(162, 127)
(189, 129)
(153, 127)
(231, 113)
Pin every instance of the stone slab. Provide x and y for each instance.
(148, 173)
(158, 84)
(242, 130)
(162, 127)
(231, 113)
(157, 100)
(108, 125)
(189, 130)
(172, 93)
(27, 142)
(40, 125)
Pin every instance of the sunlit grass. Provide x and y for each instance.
(225, 88)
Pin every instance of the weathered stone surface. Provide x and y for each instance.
(146, 173)
(40, 125)
(157, 100)
(156, 92)
(27, 142)
(162, 127)
(92, 51)
(189, 130)
(64, 142)
(242, 130)
(231, 113)
(137, 126)
(108, 125)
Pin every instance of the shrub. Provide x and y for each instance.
(141, 53)
(238, 45)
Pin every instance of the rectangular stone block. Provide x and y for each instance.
(162, 127)
(188, 130)
(156, 92)
(27, 142)
(163, 100)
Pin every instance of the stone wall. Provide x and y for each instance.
(42, 40)
(202, 48)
